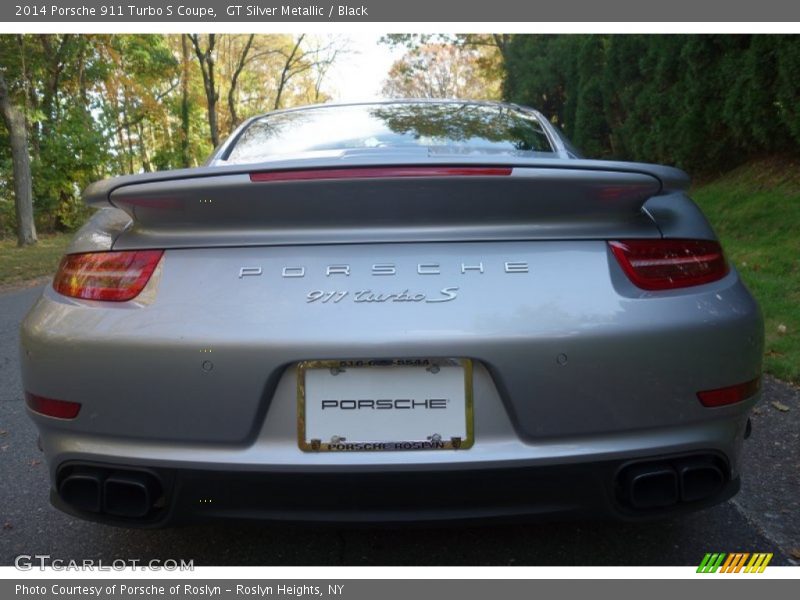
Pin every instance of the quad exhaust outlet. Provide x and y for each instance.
(124, 493)
(653, 485)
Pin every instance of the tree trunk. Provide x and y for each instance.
(23, 191)
(185, 102)
(54, 68)
(286, 73)
(144, 157)
(206, 59)
(30, 102)
(235, 80)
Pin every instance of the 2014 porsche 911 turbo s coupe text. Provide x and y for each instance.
(393, 311)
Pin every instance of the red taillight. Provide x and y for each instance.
(61, 409)
(111, 276)
(667, 264)
(731, 394)
(380, 173)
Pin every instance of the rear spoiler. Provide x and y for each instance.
(99, 192)
(385, 202)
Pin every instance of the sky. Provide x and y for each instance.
(359, 74)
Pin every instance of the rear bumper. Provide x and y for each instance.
(589, 489)
(501, 477)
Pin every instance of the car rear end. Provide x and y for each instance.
(377, 333)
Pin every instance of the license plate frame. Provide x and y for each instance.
(421, 442)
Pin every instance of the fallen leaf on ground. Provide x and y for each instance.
(35, 462)
(795, 552)
(3, 432)
(8, 525)
(780, 406)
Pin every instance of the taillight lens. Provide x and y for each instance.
(669, 264)
(60, 409)
(110, 276)
(729, 395)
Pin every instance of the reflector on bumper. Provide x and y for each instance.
(731, 394)
(60, 409)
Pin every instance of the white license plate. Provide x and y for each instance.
(407, 404)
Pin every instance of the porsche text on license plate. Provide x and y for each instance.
(409, 404)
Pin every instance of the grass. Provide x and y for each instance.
(755, 210)
(18, 265)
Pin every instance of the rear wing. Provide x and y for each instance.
(370, 203)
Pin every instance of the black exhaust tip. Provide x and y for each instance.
(650, 486)
(130, 494)
(684, 479)
(700, 478)
(82, 489)
(135, 494)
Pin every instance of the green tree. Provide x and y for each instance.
(96, 105)
(703, 102)
(591, 130)
(438, 70)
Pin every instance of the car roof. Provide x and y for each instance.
(493, 103)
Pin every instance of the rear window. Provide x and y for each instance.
(445, 128)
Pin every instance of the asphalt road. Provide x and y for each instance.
(764, 517)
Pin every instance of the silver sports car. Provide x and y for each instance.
(393, 311)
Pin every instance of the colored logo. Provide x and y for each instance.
(735, 562)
